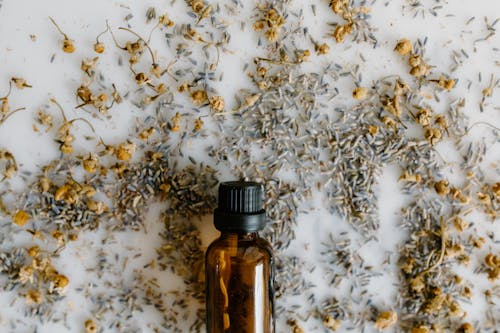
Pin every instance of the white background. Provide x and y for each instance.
(83, 20)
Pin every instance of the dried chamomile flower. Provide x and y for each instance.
(417, 284)
(116, 95)
(146, 134)
(341, 31)
(83, 92)
(134, 48)
(391, 105)
(86, 190)
(465, 328)
(338, 6)
(483, 198)
(72, 237)
(217, 103)
(90, 326)
(88, 65)
(141, 78)
(322, 48)
(205, 12)
(156, 70)
(414, 60)
(165, 21)
(64, 131)
(199, 97)
(99, 47)
(66, 148)
(45, 119)
(418, 66)
(435, 301)
(20, 83)
(34, 251)
(165, 187)
(91, 163)
(97, 207)
(195, 35)
(10, 165)
(420, 329)
(302, 55)
(68, 45)
(58, 283)
(295, 326)
(388, 121)
(465, 261)
(400, 88)
(197, 6)
(386, 320)
(445, 83)
(423, 117)
(420, 70)
(495, 189)
(433, 135)
(26, 274)
(442, 187)
(176, 122)
(67, 193)
(331, 323)
(457, 194)
(460, 224)
(454, 250)
(488, 91)
(403, 47)
(259, 25)
(33, 297)
(440, 120)
(40, 264)
(198, 124)
(274, 21)
(373, 130)
(183, 87)
(125, 151)
(45, 184)
(360, 93)
(478, 242)
(4, 107)
(273, 18)
(263, 84)
(410, 177)
(272, 34)
(59, 237)
(492, 260)
(261, 71)
(21, 217)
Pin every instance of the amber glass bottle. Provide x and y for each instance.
(239, 264)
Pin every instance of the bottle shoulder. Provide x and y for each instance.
(257, 248)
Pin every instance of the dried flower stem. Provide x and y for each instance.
(143, 40)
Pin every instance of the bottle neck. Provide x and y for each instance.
(243, 236)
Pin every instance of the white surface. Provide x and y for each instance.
(83, 20)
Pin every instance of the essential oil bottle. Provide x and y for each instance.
(239, 264)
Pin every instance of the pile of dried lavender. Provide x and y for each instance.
(290, 129)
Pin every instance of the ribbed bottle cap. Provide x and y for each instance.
(240, 207)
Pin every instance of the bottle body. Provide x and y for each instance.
(239, 284)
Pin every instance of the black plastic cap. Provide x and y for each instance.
(240, 207)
